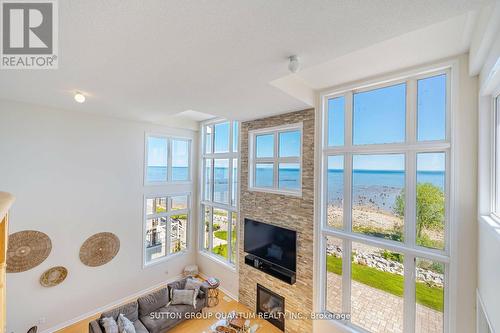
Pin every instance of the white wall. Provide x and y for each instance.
(487, 41)
(73, 175)
(229, 279)
(464, 223)
(465, 182)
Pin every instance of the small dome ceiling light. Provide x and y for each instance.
(79, 97)
(294, 63)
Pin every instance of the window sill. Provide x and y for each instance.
(165, 259)
(343, 326)
(180, 182)
(218, 260)
(493, 222)
(297, 194)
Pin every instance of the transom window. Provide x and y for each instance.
(275, 159)
(385, 194)
(167, 160)
(219, 190)
(166, 226)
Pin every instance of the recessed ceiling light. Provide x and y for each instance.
(79, 97)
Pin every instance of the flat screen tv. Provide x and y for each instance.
(274, 244)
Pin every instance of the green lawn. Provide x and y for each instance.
(220, 250)
(221, 234)
(431, 297)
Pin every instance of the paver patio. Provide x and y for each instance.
(378, 311)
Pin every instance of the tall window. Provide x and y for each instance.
(275, 159)
(167, 160)
(385, 194)
(166, 226)
(219, 205)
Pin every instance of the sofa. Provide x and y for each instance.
(146, 311)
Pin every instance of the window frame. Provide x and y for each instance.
(495, 161)
(167, 214)
(169, 139)
(253, 160)
(410, 147)
(233, 154)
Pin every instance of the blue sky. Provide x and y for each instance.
(221, 138)
(379, 117)
(289, 144)
(431, 103)
(265, 145)
(157, 152)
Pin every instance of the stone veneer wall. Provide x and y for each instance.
(291, 212)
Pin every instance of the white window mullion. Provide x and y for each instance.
(410, 200)
(346, 275)
(411, 111)
(230, 143)
(324, 192)
(211, 184)
(276, 161)
(168, 235)
(323, 296)
(409, 302)
(348, 120)
(447, 304)
(169, 160)
(347, 202)
(347, 206)
(447, 202)
(210, 230)
(229, 235)
(230, 182)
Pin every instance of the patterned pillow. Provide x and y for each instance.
(192, 284)
(184, 297)
(125, 325)
(109, 324)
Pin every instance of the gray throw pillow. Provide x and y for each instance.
(125, 325)
(109, 325)
(192, 284)
(184, 297)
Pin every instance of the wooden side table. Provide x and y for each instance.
(213, 293)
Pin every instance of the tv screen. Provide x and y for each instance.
(271, 243)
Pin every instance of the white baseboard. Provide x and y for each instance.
(234, 297)
(110, 305)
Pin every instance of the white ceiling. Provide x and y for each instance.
(149, 60)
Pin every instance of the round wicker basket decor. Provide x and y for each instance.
(53, 276)
(27, 249)
(99, 249)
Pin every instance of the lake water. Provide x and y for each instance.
(377, 187)
(159, 174)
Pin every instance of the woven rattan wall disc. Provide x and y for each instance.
(27, 249)
(99, 249)
(53, 276)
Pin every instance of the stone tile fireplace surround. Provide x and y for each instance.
(290, 212)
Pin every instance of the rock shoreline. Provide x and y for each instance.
(377, 261)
